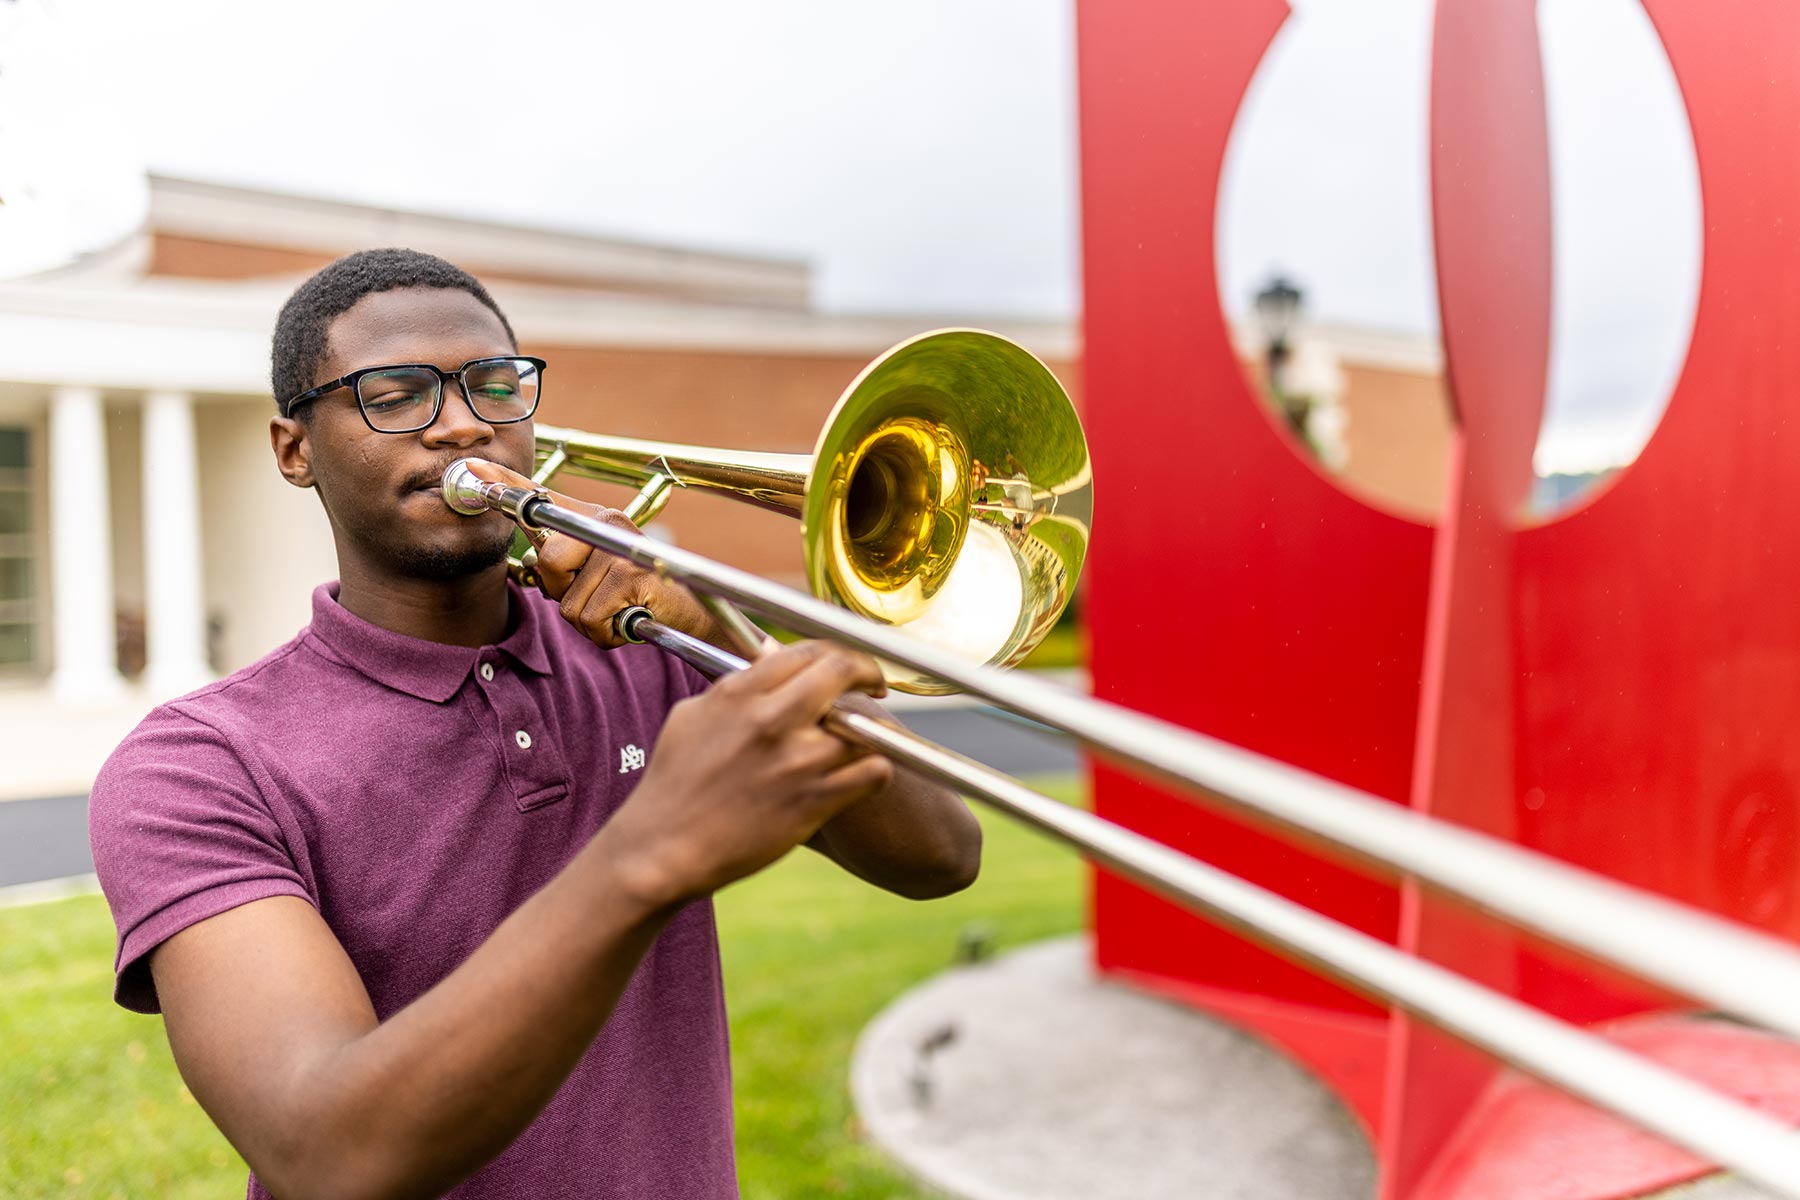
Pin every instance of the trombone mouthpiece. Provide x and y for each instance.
(464, 491)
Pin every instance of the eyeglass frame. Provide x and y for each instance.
(444, 378)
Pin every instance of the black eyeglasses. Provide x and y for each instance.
(409, 397)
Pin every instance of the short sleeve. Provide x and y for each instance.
(180, 832)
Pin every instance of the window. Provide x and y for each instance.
(18, 600)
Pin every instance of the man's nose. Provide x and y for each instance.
(457, 424)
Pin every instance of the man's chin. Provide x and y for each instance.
(445, 563)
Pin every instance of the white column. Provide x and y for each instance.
(174, 606)
(81, 578)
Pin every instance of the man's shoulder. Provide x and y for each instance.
(279, 677)
(222, 710)
(187, 763)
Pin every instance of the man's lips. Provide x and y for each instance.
(434, 489)
(432, 482)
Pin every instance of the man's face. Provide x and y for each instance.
(381, 490)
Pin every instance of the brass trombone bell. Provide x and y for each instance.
(949, 494)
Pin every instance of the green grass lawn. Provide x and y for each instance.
(91, 1105)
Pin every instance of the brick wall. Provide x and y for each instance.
(772, 402)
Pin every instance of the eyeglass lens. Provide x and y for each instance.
(401, 399)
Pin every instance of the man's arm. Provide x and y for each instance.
(277, 1039)
(914, 838)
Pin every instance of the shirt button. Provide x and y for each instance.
(523, 738)
(487, 670)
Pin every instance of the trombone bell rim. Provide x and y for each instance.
(953, 437)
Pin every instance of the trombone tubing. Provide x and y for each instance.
(1725, 966)
(1656, 1099)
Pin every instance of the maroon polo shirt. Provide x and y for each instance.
(416, 794)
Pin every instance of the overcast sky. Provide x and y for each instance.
(921, 153)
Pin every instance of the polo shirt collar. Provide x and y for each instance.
(429, 670)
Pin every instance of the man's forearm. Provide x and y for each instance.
(914, 838)
(422, 1101)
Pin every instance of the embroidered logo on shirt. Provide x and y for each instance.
(630, 759)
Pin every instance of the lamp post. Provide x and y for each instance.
(1277, 305)
(1277, 308)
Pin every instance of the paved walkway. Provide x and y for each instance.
(44, 839)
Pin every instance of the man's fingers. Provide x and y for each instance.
(821, 752)
(803, 698)
(493, 472)
(577, 598)
(852, 782)
(568, 564)
(621, 588)
(560, 559)
(768, 672)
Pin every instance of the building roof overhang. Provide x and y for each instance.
(220, 213)
(213, 337)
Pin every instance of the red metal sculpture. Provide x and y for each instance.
(1619, 687)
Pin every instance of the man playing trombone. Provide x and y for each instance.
(423, 896)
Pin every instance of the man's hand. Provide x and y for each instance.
(913, 837)
(743, 773)
(592, 587)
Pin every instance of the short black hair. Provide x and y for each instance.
(299, 344)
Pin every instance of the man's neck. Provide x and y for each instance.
(471, 611)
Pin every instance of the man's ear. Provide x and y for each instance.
(292, 443)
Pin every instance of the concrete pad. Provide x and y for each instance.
(1028, 1079)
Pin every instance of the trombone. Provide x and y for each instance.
(949, 495)
(881, 497)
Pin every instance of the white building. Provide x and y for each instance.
(146, 541)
